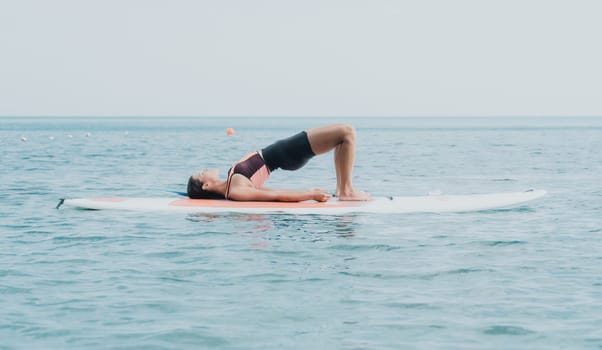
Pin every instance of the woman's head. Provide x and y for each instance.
(199, 185)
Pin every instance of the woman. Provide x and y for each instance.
(246, 177)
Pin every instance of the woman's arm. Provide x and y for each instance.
(248, 193)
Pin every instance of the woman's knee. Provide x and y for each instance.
(347, 132)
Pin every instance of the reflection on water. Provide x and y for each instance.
(284, 225)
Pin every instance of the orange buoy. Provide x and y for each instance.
(229, 131)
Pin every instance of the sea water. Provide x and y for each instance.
(528, 277)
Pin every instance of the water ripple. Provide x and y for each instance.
(503, 243)
(507, 330)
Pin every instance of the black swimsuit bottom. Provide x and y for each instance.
(289, 154)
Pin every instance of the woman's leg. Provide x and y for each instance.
(341, 138)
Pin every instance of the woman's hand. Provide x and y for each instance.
(319, 195)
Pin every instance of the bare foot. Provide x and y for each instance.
(354, 196)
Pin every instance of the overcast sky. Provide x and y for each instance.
(301, 58)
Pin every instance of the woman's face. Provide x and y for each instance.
(207, 175)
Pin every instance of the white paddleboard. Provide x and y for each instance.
(384, 205)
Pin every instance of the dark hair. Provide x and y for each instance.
(195, 191)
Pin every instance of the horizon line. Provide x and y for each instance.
(301, 116)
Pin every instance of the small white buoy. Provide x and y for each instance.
(51, 138)
(126, 133)
(23, 138)
(88, 134)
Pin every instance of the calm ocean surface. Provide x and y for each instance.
(522, 278)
